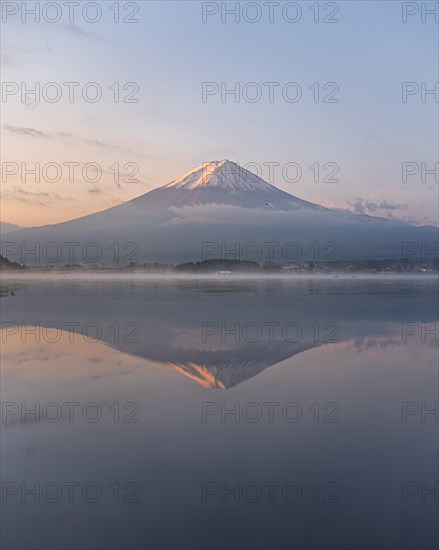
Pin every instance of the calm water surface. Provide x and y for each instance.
(222, 414)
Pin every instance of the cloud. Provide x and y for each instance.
(422, 220)
(19, 189)
(367, 206)
(32, 132)
(15, 54)
(74, 29)
(383, 208)
(23, 131)
(41, 198)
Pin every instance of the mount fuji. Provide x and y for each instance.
(224, 183)
(231, 209)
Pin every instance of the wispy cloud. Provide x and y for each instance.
(383, 208)
(78, 31)
(34, 133)
(367, 206)
(41, 198)
(15, 54)
(23, 131)
(19, 189)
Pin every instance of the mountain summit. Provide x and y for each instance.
(223, 174)
(223, 183)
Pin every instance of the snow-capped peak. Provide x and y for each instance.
(223, 174)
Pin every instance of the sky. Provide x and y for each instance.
(337, 102)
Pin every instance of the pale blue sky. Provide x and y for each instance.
(171, 52)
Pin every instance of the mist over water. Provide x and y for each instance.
(278, 412)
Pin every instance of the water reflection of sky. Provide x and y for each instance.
(170, 453)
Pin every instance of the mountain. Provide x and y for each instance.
(218, 210)
(8, 227)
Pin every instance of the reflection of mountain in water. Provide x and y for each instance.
(226, 369)
(170, 318)
(344, 312)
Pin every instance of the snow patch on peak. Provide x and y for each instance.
(223, 174)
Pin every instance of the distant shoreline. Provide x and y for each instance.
(30, 274)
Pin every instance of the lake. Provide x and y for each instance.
(219, 413)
